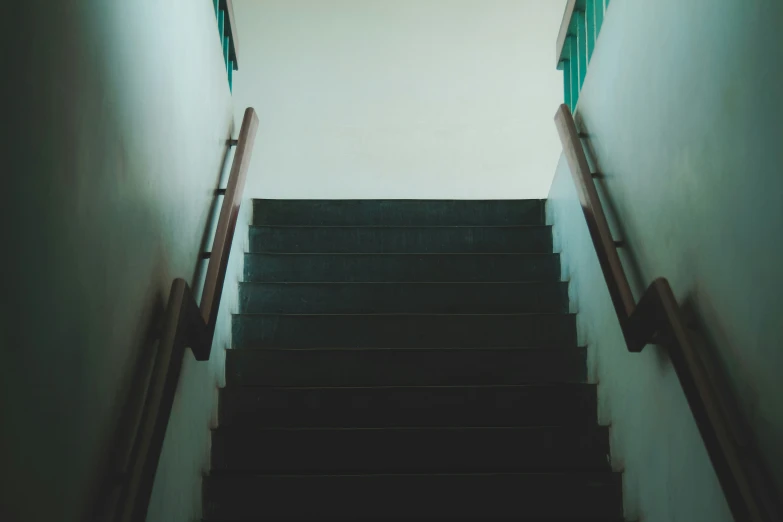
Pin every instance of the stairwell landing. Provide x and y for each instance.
(406, 359)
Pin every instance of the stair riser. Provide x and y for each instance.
(353, 298)
(355, 496)
(556, 405)
(422, 367)
(410, 331)
(401, 240)
(398, 212)
(402, 268)
(410, 451)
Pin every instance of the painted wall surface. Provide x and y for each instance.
(682, 110)
(400, 98)
(117, 115)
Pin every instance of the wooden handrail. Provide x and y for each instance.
(565, 25)
(658, 319)
(185, 325)
(227, 221)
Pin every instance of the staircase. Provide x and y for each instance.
(406, 359)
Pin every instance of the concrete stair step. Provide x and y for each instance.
(427, 519)
(330, 497)
(562, 404)
(402, 267)
(410, 450)
(398, 360)
(404, 367)
(398, 330)
(352, 298)
(398, 212)
(352, 239)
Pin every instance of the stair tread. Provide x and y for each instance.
(402, 297)
(414, 314)
(396, 329)
(446, 239)
(251, 431)
(409, 254)
(432, 386)
(410, 450)
(434, 519)
(409, 406)
(397, 211)
(547, 348)
(408, 366)
(404, 267)
(402, 227)
(397, 200)
(452, 494)
(519, 518)
(599, 476)
(402, 283)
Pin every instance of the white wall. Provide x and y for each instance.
(120, 115)
(681, 104)
(400, 98)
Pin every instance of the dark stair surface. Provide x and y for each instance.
(398, 360)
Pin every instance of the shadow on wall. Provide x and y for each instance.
(704, 331)
(134, 390)
(135, 384)
(707, 339)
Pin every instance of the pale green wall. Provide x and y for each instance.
(400, 98)
(116, 115)
(682, 107)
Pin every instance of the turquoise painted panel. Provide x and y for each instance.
(592, 33)
(225, 41)
(581, 45)
(583, 30)
(599, 16)
(215, 4)
(574, 65)
(221, 23)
